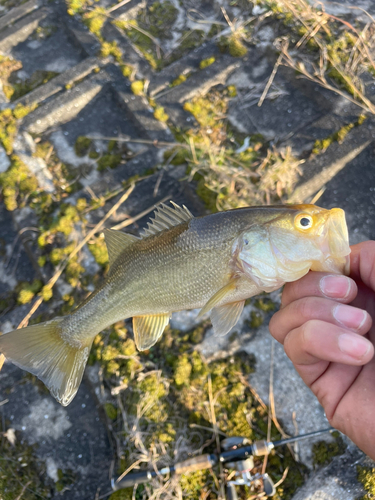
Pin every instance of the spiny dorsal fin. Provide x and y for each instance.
(165, 218)
(116, 242)
(223, 318)
(148, 329)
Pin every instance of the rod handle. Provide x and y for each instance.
(132, 479)
(194, 464)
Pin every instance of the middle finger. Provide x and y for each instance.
(298, 312)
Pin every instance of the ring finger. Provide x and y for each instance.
(298, 312)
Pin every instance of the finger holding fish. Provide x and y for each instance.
(317, 340)
(318, 284)
(305, 309)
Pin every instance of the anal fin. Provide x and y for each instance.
(224, 317)
(218, 296)
(148, 329)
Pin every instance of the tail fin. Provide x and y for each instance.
(40, 350)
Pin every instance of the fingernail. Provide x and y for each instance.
(353, 345)
(350, 317)
(337, 287)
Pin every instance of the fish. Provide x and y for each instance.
(213, 262)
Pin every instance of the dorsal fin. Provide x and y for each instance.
(165, 218)
(116, 242)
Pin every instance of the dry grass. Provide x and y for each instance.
(329, 51)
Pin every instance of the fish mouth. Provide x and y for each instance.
(338, 237)
(334, 243)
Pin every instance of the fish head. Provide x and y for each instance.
(294, 240)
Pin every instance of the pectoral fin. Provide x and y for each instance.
(224, 317)
(148, 329)
(218, 297)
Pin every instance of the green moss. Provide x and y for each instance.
(19, 466)
(160, 114)
(232, 45)
(137, 87)
(95, 19)
(179, 155)
(205, 110)
(196, 335)
(124, 494)
(344, 81)
(127, 70)
(82, 145)
(66, 219)
(58, 254)
(73, 272)
(76, 6)
(207, 195)
(9, 124)
(361, 119)
(23, 87)
(197, 484)
(320, 145)
(99, 250)
(110, 410)
(81, 204)
(180, 79)
(65, 479)
(206, 62)
(215, 30)
(366, 476)
(109, 161)
(42, 261)
(265, 304)
(94, 155)
(8, 66)
(232, 91)
(43, 32)
(191, 40)
(46, 293)
(142, 41)
(166, 434)
(112, 49)
(182, 371)
(256, 319)
(324, 451)
(28, 291)
(161, 17)
(17, 183)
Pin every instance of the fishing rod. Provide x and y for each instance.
(236, 454)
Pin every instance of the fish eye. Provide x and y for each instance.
(304, 221)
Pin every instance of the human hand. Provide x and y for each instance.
(325, 325)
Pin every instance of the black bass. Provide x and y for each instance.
(181, 262)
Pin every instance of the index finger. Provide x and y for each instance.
(316, 284)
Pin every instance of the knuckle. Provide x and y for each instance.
(289, 343)
(289, 292)
(306, 308)
(308, 330)
(324, 397)
(273, 324)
